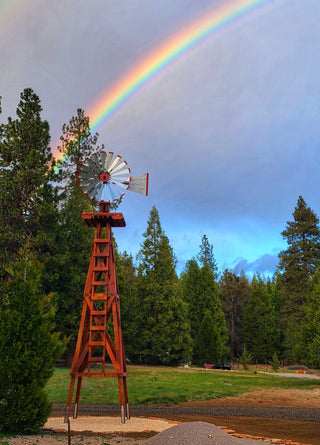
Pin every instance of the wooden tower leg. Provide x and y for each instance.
(126, 398)
(122, 407)
(76, 402)
(69, 401)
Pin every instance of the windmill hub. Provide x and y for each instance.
(104, 177)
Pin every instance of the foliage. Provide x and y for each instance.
(261, 330)
(297, 265)
(28, 346)
(206, 256)
(200, 291)
(126, 273)
(310, 332)
(275, 362)
(24, 175)
(162, 323)
(77, 143)
(245, 358)
(208, 341)
(234, 293)
(73, 239)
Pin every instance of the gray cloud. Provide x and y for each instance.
(266, 264)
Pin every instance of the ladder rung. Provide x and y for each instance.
(96, 312)
(96, 343)
(101, 240)
(96, 359)
(98, 328)
(102, 268)
(98, 296)
(99, 283)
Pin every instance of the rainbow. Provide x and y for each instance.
(163, 55)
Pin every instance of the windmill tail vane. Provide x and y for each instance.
(105, 178)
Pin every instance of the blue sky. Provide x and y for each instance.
(229, 132)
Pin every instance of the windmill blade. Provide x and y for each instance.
(104, 194)
(114, 163)
(95, 190)
(120, 178)
(102, 159)
(122, 172)
(108, 160)
(140, 184)
(123, 164)
(121, 184)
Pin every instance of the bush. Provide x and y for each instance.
(275, 363)
(28, 348)
(245, 359)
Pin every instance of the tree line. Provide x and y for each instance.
(201, 316)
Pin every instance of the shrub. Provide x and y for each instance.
(28, 347)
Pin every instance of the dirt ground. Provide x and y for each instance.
(303, 432)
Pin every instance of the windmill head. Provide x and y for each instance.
(104, 178)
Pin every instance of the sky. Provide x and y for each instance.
(228, 130)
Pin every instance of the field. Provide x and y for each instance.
(193, 388)
(164, 385)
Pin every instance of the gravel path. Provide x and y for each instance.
(304, 414)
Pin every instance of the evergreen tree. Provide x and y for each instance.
(261, 331)
(74, 239)
(206, 256)
(309, 342)
(77, 143)
(201, 293)
(297, 265)
(25, 159)
(208, 340)
(28, 346)
(164, 330)
(234, 294)
(192, 291)
(126, 273)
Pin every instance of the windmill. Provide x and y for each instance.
(104, 178)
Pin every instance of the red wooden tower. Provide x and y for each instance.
(100, 336)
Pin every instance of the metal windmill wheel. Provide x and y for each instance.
(104, 178)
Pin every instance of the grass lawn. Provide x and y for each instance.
(164, 385)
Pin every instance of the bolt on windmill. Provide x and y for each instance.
(104, 178)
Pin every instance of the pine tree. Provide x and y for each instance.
(25, 159)
(309, 341)
(164, 330)
(208, 340)
(206, 256)
(301, 259)
(77, 143)
(74, 240)
(200, 291)
(298, 263)
(192, 291)
(28, 346)
(234, 294)
(261, 330)
(126, 273)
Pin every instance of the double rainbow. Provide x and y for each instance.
(163, 55)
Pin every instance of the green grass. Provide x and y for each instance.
(164, 385)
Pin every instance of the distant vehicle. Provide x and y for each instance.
(226, 366)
